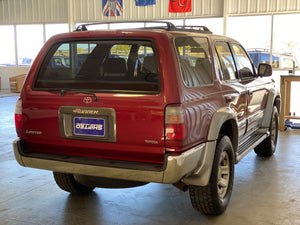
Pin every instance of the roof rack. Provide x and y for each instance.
(168, 26)
(258, 50)
(200, 29)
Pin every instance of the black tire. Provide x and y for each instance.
(68, 183)
(214, 198)
(268, 146)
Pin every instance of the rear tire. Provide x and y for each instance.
(214, 198)
(68, 183)
(268, 146)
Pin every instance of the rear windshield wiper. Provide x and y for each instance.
(64, 90)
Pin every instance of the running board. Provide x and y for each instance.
(246, 145)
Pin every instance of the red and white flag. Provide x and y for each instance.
(180, 6)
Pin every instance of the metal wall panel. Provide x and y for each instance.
(57, 11)
(256, 7)
(91, 11)
(33, 11)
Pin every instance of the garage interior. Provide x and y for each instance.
(266, 190)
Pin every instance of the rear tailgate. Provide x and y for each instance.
(117, 127)
(97, 98)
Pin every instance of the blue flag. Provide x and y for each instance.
(144, 2)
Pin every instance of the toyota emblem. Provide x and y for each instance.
(87, 100)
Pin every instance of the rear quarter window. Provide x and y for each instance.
(195, 60)
(101, 66)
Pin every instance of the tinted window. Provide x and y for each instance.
(195, 60)
(226, 60)
(101, 66)
(244, 64)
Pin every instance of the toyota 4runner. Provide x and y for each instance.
(166, 104)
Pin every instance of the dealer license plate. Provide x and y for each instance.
(89, 126)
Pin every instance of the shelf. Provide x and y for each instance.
(292, 117)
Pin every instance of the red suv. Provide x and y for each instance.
(166, 104)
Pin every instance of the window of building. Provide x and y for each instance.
(176, 22)
(286, 40)
(250, 31)
(7, 46)
(30, 40)
(125, 25)
(215, 25)
(53, 29)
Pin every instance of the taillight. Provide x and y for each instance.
(175, 130)
(18, 115)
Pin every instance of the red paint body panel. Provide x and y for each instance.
(139, 117)
(136, 123)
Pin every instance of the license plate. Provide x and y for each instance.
(89, 126)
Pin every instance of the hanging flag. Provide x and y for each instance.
(144, 2)
(180, 6)
(112, 7)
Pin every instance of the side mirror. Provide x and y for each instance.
(245, 72)
(264, 70)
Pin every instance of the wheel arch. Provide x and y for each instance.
(224, 122)
(273, 100)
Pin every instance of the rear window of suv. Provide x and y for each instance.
(101, 66)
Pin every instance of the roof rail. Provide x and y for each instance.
(258, 50)
(200, 29)
(169, 25)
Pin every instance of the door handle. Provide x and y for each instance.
(228, 98)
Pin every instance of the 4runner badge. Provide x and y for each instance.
(86, 111)
(87, 100)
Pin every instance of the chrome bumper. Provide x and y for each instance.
(177, 167)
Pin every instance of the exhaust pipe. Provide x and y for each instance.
(181, 186)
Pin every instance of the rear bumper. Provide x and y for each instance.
(175, 168)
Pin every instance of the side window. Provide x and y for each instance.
(244, 64)
(195, 60)
(226, 60)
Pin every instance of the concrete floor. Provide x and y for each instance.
(266, 191)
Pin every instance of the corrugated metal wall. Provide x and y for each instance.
(57, 11)
(91, 10)
(33, 11)
(254, 7)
